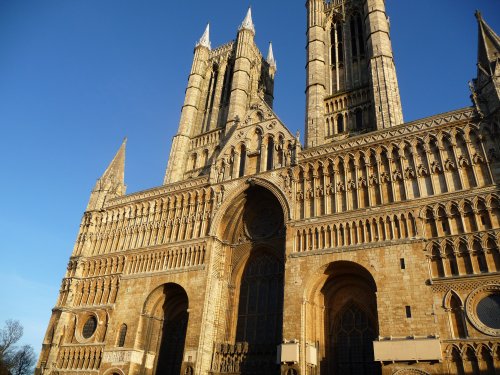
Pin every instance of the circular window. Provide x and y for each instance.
(488, 311)
(483, 309)
(89, 327)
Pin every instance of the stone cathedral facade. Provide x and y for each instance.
(370, 248)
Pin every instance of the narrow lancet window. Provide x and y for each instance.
(243, 157)
(122, 335)
(270, 153)
(340, 124)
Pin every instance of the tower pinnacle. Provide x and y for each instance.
(247, 22)
(205, 38)
(270, 56)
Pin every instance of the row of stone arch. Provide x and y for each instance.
(169, 259)
(356, 98)
(102, 266)
(206, 138)
(388, 228)
(472, 359)
(174, 218)
(96, 291)
(351, 120)
(419, 167)
(459, 216)
(79, 358)
(464, 255)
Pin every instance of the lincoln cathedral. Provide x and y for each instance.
(369, 245)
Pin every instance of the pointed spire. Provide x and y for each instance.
(205, 38)
(116, 169)
(112, 182)
(247, 22)
(489, 43)
(270, 56)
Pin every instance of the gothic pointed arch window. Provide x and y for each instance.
(210, 98)
(457, 321)
(361, 37)
(260, 303)
(336, 43)
(340, 43)
(270, 153)
(122, 335)
(352, 337)
(340, 123)
(359, 119)
(354, 39)
(333, 46)
(260, 311)
(357, 36)
(351, 324)
(243, 158)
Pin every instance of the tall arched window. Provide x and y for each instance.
(243, 158)
(352, 337)
(209, 105)
(456, 318)
(122, 335)
(354, 47)
(333, 46)
(228, 81)
(194, 158)
(340, 43)
(270, 153)
(260, 312)
(340, 123)
(359, 119)
(361, 38)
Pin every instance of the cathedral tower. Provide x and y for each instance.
(351, 78)
(222, 84)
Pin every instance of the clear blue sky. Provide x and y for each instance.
(78, 76)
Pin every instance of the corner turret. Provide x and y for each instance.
(240, 90)
(180, 143)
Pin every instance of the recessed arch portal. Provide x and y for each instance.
(253, 224)
(166, 316)
(342, 318)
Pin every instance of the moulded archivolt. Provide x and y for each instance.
(471, 307)
(410, 371)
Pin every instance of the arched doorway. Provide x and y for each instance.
(254, 227)
(260, 312)
(166, 318)
(350, 321)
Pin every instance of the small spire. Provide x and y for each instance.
(112, 182)
(489, 43)
(205, 38)
(247, 22)
(116, 169)
(270, 56)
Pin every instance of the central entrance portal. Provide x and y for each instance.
(260, 313)
(254, 226)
